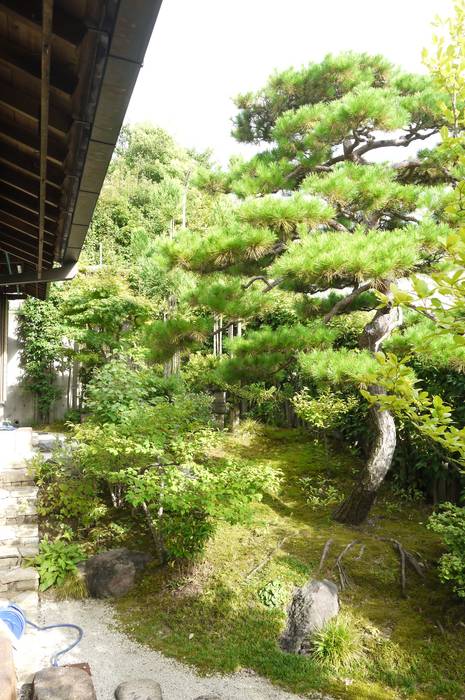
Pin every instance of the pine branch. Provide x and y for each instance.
(342, 304)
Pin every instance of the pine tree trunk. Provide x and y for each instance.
(355, 509)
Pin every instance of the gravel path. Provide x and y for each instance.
(115, 658)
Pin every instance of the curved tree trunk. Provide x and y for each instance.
(354, 510)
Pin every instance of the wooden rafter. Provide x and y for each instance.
(68, 29)
(47, 23)
(17, 135)
(28, 185)
(14, 58)
(28, 245)
(25, 201)
(24, 228)
(23, 216)
(30, 167)
(27, 105)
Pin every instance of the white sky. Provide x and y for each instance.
(204, 52)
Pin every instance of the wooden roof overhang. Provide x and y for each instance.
(67, 71)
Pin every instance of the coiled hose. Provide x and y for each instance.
(15, 620)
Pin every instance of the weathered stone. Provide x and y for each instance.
(112, 574)
(209, 697)
(310, 609)
(143, 689)
(63, 683)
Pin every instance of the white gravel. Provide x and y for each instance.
(115, 658)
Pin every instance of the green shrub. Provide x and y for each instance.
(56, 561)
(319, 491)
(449, 523)
(155, 462)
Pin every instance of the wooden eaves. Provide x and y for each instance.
(67, 71)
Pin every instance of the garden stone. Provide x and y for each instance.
(144, 689)
(111, 574)
(310, 609)
(63, 683)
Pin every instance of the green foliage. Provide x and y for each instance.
(67, 497)
(319, 491)
(102, 316)
(272, 594)
(324, 411)
(323, 82)
(337, 367)
(449, 523)
(155, 460)
(340, 259)
(41, 348)
(56, 561)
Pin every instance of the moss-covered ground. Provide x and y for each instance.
(216, 617)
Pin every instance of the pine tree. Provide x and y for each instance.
(317, 221)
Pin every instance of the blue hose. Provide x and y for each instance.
(54, 658)
(16, 621)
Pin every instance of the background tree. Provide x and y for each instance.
(41, 351)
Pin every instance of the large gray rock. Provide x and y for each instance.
(112, 574)
(63, 683)
(143, 689)
(209, 697)
(310, 609)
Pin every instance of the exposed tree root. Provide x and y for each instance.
(405, 557)
(324, 555)
(343, 577)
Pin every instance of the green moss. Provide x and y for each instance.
(407, 653)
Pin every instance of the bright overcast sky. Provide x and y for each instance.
(203, 52)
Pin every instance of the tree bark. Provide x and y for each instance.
(356, 507)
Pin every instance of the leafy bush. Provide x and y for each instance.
(324, 411)
(155, 461)
(56, 561)
(67, 496)
(319, 491)
(339, 645)
(449, 523)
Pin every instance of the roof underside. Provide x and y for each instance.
(67, 71)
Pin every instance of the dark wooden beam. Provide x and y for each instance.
(28, 105)
(23, 216)
(11, 222)
(21, 199)
(57, 274)
(18, 252)
(23, 243)
(11, 133)
(28, 185)
(47, 22)
(29, 165)
(17, 59)
(30, 13)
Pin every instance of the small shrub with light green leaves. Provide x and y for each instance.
(449, 523)
(56, 561)
(273, 594)
(319, 491)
